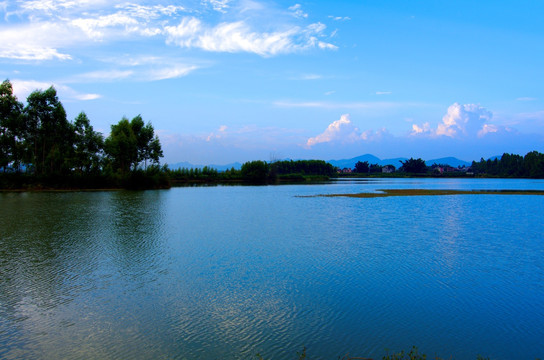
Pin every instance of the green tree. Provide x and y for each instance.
(416, 166)
(11, 142)
(375, 168)
(362, 167)
(149, 146)
(121, 146)
(131, 143)
(255, 171)
(49, 135)
(88, 145)
(533, 165)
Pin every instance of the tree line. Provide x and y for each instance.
(258, 172)
(507, 166)
(38, 140)
(511, 165)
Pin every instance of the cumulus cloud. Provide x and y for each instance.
(468, 120)
(487, 129)
(425, 128)
(465, 120)
(341, 130)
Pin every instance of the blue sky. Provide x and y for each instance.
(238, 80)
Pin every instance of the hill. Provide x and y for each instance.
(396, 162)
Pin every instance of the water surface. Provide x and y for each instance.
(229, 272)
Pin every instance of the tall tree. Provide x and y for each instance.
(88, 145)
(10, 127)
(122, 146)
(48, 132)
(149, 147)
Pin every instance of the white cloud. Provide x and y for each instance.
(105, 75)
(217, 135)
(383, 92)
(339, 18)
(151, 12)
(161, 72)
(487, 128)
(462, 121)
(36, 42)
(94, 28)
(48, 28)
(171, 72)
(341, 130)
(30, 52)
(23, 88)
(424, 129)
(465, 120)
(138, 68)
(240, 37)
(297, 11)
(218, 5)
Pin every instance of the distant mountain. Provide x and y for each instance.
(350, 163)
(451, 161)
(187, 165)
(396, 162)
(343, 163)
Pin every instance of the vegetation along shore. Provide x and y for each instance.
(41, 150)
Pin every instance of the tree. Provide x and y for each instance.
(416, 166)
(131, 143)
(255, 171)
(533, 164)
(48, 132)
(362, 167)
(88, 145)
(122, 146)
(10, 127)
(375, 168)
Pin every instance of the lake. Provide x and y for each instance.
(227, 272)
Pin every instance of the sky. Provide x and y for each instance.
(225, 81)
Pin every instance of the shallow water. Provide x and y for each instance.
(229, 272)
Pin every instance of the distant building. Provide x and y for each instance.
(344, 171)
(388, 169)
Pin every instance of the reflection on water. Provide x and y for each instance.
(229, 272)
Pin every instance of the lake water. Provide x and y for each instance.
(227, 272)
